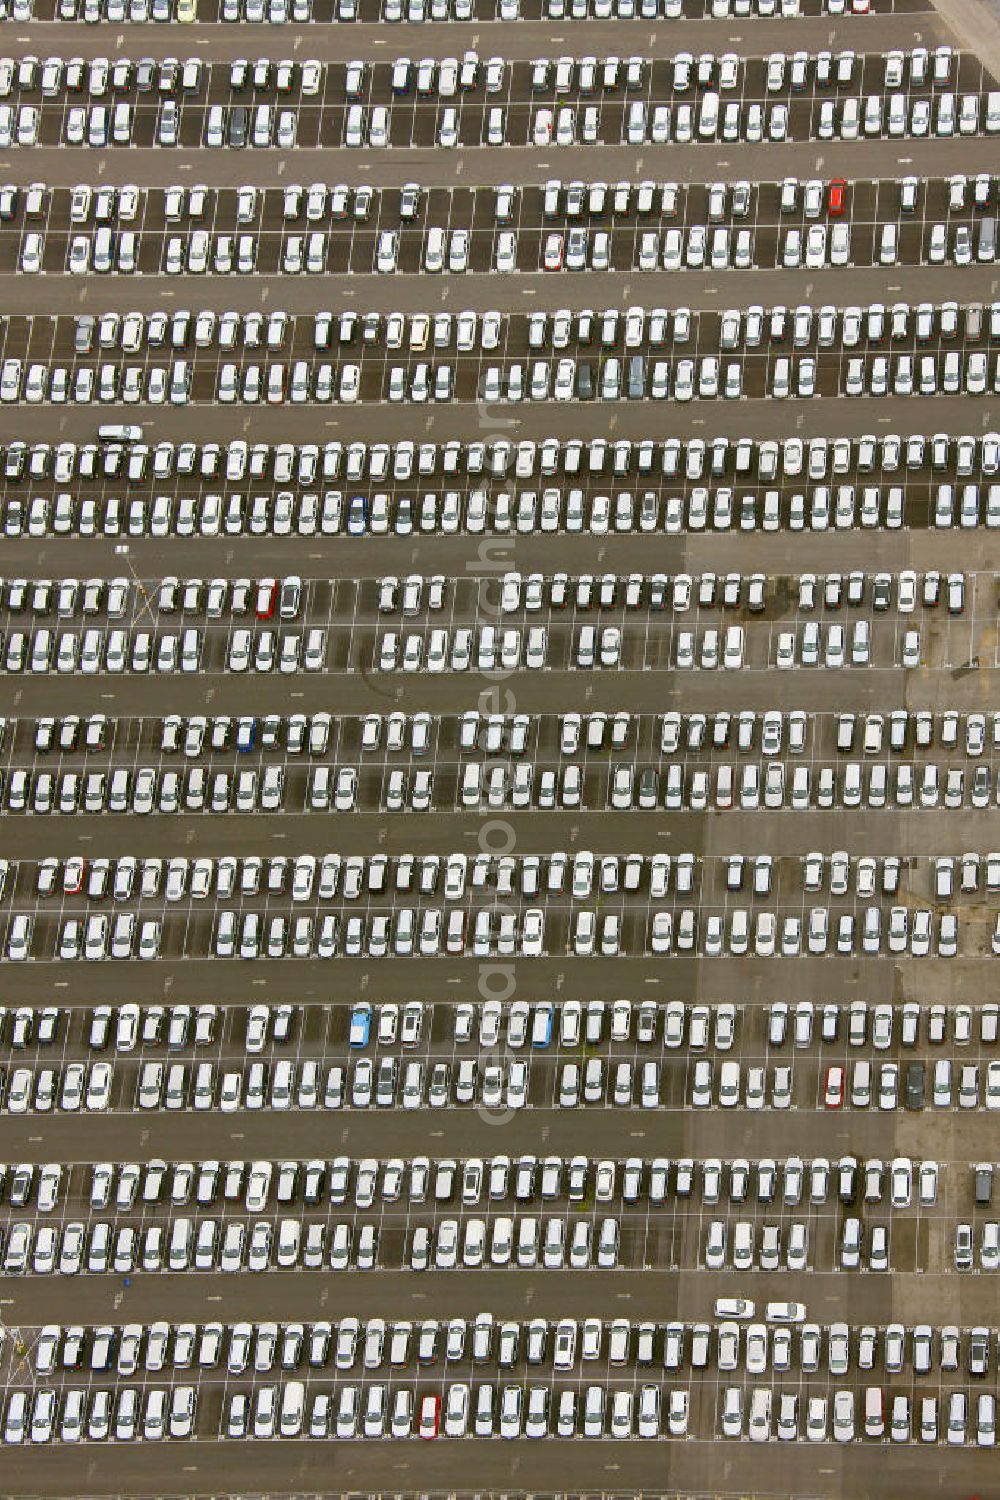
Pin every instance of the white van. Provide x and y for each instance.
(852, 784)
(347, 1412)
(729, 1085)
(760, 1415)
(472, 780)
(874, 1412)
(861, 1084)
(293, 1401)
(179, 1252)
(945, 122)
(153, 1421)
(593, 1416)
(861, 643)
(708, 116)
(376, 1406)
(456, 1415)
(434, 250)
(785, 1312)
(850, 119)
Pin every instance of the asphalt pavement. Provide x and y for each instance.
(661, 1274)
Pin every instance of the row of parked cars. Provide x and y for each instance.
(388, 1081)
(486, 647)
(331, 513)
(594, 1411)
(635, 326)
(779, 1336)
(907, 375)
(145, 789)
(123, 455)
(95, 650)
(384, 1083)
(518, 1025)
(293, 1410)
(264, 125)
(723, 785)
(370, 1183)
(510, 1411)
(259, 1245)
(705, 378)
(167, 76)
(445, 76)
(218, 252)
(414, 12)
(341, 203)
(310, 878)
(75, 1414)
(707, 590)
(262, 599)
(762, 1414)
(221, 253)
(427, 932)
(771, 732)
(281, 12)
(916, 932)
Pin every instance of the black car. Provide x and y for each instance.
(915, 1083)
(847, 1179)
(984, 1184)
(238, 119)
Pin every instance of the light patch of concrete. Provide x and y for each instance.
(976, 24)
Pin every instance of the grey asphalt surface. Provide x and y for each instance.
(760, 418)
(935, 1291)
(752, 37)
(482, 166)
(527, 292)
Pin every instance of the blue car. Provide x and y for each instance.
(361, 1024)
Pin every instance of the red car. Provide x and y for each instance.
(267, 598)
(836, 198)
(553, 256)
(833, 1090)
